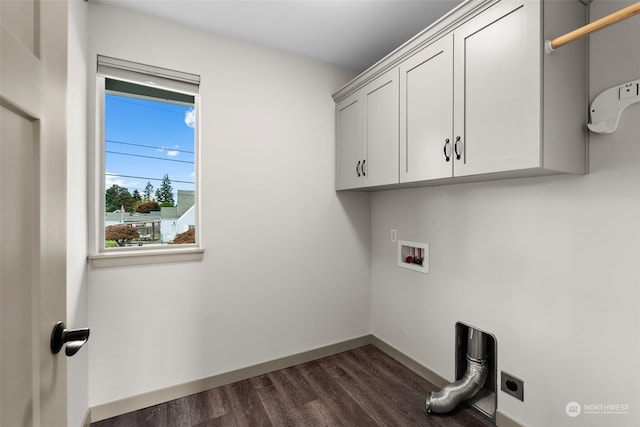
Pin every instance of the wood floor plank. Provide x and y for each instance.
(363, 387)
(363, 394)
(402, 398)
(246, 405)
(294, 387)
(347, 410)
(227, 420)
(217, 410)
(179, 412)
(379, 365)
(208, 405)
(272, 400)
(314, 414)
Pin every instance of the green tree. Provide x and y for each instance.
(164, 194)
(117, 197)
(121, 234)
(148, 191)
(136, 195)
(146, 207)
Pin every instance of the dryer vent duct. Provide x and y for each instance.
(470, 384)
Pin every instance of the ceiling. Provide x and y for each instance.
(353, 34)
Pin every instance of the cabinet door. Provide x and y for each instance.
(381, 130)
(497, 90)
(349, 142)
(426, 113)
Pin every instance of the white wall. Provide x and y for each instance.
(549, 265)
(77, 293)
(286, 267)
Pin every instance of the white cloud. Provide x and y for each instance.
(110, 181)
(170, 151)
(190, 118)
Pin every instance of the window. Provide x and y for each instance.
(147, 198)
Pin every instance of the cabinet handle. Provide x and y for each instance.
(447, 153)
(364, 171)
(358, 168)
(455, 147)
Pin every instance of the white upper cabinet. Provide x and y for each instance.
(349, 142)
(497, 90)
(477, 97)
(380, 165)
(426, 113)
(367, 135)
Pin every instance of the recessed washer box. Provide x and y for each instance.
(413, 256)
(486, 400)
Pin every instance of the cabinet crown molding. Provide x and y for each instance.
(441, 27)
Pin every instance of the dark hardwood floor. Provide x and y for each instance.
(360, 387)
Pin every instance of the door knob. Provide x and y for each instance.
(74, 338)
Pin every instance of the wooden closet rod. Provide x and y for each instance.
(601, 23)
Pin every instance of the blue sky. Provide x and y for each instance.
(154, 138)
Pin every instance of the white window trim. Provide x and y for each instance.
(154, 77)
(141, 257)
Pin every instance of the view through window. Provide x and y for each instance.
(149, 166)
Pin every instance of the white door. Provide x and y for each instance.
(426, 113)
(32, 210)
(497, 90)
(381, 136)
(349, 143)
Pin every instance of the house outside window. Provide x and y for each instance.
(147, 166)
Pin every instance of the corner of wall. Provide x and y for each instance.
(77, 291)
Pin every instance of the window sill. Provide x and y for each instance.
(125, 258)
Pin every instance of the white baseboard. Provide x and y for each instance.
(134, 403)
(503, 420)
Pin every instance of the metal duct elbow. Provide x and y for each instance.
(465, 388)
(471, 383)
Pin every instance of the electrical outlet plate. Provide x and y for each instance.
(512, 385)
